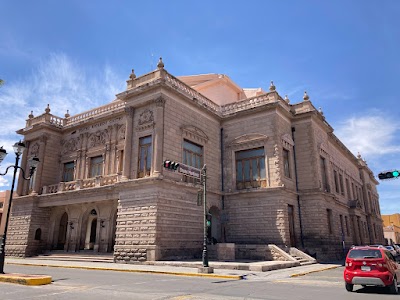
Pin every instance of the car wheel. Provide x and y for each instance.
(349, 287)
(393, 287)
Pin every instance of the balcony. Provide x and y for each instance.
(81, 184)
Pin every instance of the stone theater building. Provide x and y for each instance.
(276, 174)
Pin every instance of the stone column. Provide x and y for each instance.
(39, 171)
(21, 190)
(128, 143)
(158, 135)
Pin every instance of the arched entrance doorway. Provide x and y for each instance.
(214, 233)
(62, 232)
(91, 230)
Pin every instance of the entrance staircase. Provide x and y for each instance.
(303, 258)
(83, 255)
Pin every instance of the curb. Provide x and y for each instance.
(234, 277)
(313, 271)
(25, 279)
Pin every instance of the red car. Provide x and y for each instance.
(368, 265)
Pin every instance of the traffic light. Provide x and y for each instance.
(389, 175)
(171, 165)
(208, 220)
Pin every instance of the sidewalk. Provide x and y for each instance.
(223, 270)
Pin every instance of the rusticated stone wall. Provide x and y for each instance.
(26, 218)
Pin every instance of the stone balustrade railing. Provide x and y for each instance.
(248, 103)
(115, 105)
(176, 83)
(81, 184)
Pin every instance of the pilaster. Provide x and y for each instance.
(130, 111)
(158, 134)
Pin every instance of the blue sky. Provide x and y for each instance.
(77, 55)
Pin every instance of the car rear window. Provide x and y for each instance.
(365, 253)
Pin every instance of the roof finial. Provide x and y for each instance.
(272, 86)
(287, 99)
(31, 115)
(132, 75)
(305, 97)
(47, 110)
(160, 64)
(359, 155)
(320, 110)
(67, 115)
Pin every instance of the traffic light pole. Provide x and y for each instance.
(204, 180)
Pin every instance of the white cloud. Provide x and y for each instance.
(3, 182)
(373, 134)
(60, 82)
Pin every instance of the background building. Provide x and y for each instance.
(277, 174)
(392, 228)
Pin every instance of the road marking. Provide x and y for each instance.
(311, 282)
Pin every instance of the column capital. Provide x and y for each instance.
(160, 101)
(130, 111)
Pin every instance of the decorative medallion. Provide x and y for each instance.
(146, 117)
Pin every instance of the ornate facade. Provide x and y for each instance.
(277, 174)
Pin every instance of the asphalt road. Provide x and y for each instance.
(88, 284)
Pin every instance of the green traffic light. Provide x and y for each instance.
(396, 173)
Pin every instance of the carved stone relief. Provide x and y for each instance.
(121, 133)
(70, 145)
(34, 150)
(146, 120)
(98, 138)
(146, 117)
(277, 165)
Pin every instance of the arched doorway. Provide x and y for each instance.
(91, 230)
(214, 234)
(62, 232)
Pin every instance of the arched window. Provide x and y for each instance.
(38, 234)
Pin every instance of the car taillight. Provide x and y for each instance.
(349, 264)
(382, 267)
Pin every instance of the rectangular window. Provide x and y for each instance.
(325, 186)
(250, 169)
(120, 161)
(145, 153)
(341, 184)
(96, 166)
(1, 204)
(348, 189)
(286, 164)
(192, 156)
(354, 192)
(335, 177)
(347, 225)
(69, 169)
(329, 219)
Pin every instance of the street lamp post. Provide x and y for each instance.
(33, 163)
(204, 179)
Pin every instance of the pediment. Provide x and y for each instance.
(249, 140)
(194, 133)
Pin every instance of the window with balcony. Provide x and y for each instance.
(250, 168)
(145, 154)
(286, 163)
(69, 169)
(96, 166)
(192, 156)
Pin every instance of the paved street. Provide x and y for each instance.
(90, 284)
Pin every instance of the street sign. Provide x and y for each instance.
(189, 171)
